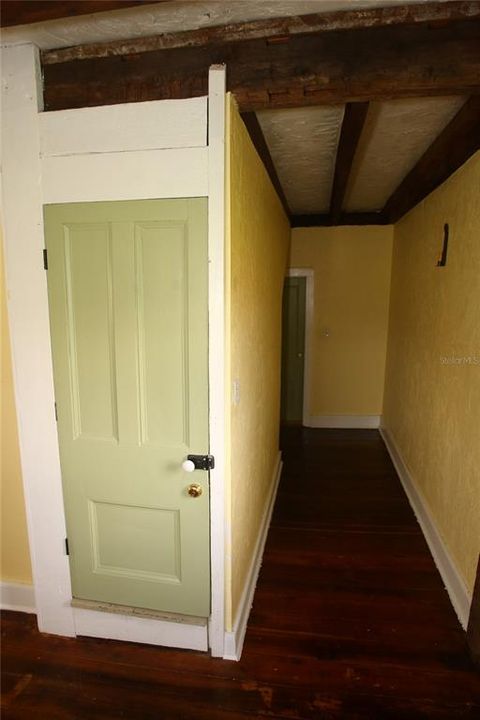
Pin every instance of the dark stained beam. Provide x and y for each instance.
(319, 220)
(270, 28)
(330, 67)
(455, 144)
(25, 12)
(352, 126)
(258, 139)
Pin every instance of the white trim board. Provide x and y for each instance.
(119, 128)
(344, 421)
(111, 626)
(30, 337)
(18, 597)
(308, 274)
(135, 175)
(453, 581)
(234, 640)
(216, 349)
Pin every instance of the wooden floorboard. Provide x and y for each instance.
(350, 620)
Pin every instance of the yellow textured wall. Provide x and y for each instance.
(15, 557)
(351, 294)
(259, 236)
(432, 392)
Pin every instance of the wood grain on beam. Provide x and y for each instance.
(352, 126)
(271, 28)
(333, 67)
(16, 12)
(325, 220)
(258, 139)
(455, 144)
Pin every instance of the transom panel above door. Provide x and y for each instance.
(127, 286)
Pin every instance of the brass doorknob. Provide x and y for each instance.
(194, 490)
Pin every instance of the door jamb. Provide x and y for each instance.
(308, 274)
(216, 351)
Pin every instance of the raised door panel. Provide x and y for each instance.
(162, 277)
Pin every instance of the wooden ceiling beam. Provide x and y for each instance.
(455, 144)
(258, 139)
(26, 12)
(333, 67)
(269, 28)
(325, 220)
(352, 126)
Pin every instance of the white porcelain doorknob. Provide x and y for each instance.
(188, 466)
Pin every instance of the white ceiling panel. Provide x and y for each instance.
(303, 145)
(395, 136)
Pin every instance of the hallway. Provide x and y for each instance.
(350, 619)
(349, 589)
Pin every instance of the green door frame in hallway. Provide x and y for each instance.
(129, 322)
(296, 343)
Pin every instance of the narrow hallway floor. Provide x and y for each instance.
(350, 620)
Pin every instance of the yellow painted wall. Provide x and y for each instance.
(15, 557)
(432, 392)
(351, 295)
(258, 240)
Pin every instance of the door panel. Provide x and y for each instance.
(161, 265)
(293, 348)
(123, 537)
(128, 311)
(90, 332)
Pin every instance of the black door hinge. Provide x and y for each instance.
(56, 413)
(45, 258)
(67, 549)
(202, 462)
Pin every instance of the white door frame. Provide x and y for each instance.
(307, 273)
(29, 181)
(216, 350)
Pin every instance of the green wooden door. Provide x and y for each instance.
(127, 284)
(293, 349)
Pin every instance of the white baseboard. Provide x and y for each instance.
(112, 626)
(233, 642)
(452, 579)
(18, 597)
(344, 421)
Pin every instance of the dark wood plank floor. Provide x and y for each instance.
(350, 620)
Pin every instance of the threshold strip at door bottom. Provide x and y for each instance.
(137, 612)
